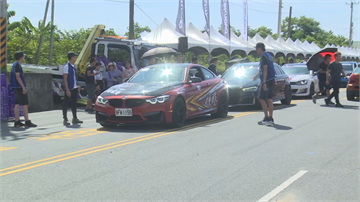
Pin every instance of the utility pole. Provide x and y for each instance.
(351, 21)
(289, 28)
(3, 35)
(52, 32)
(131, 22)
(41, 40)
(279, 19)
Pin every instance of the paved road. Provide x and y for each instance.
(311, 154)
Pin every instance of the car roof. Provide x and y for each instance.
(300, 63)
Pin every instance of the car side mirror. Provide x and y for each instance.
(219, 75)
(195, 80)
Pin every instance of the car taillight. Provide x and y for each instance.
(352, 78)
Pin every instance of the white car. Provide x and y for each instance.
(303, 82)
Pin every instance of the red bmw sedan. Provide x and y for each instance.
(163, 93)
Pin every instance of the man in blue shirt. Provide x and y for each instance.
(71, 88)
(17, 84)
(267, 78)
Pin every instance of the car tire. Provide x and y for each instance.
(178, 113)
(349, 96)
(312, 90)
(223, 106)
(288, 96)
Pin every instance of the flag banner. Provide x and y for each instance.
(244, 33)
(225, 15)
(207, 16)
(180, 20)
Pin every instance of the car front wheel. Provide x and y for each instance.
(223, 107)
(288, 96)
(178, 113)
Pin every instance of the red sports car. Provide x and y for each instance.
(163, 93)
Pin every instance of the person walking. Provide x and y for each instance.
(18, 85)
(322, 79)
(334, 72)
(128, 71)
(90, 84)
(111, 75)
(267, 77)
(212, 66)
(194, 60)
(71, 89)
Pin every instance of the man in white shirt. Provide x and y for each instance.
(71, 88)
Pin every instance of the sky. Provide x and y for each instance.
(75, 14)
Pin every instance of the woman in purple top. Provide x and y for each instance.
(111, 76)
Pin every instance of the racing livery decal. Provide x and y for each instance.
(209, 95)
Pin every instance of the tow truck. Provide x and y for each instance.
(105, 49)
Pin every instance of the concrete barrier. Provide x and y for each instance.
(40, 91)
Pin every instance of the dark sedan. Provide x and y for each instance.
(243, 90)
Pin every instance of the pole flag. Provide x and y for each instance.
(180, 20)
(244, 33)
(207, 16)
(225, 15)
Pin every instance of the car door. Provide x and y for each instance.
(210, 100)
(279, 89)
(193, 92)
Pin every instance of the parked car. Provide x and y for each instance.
(352, 89)
(303, 82)
(348, 68)
(243, 90)
(163, 93)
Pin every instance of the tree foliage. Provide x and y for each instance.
(138, 29)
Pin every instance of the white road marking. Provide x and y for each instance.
(283, 186)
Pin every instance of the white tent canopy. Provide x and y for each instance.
(200, 43)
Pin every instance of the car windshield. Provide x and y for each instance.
(160, 73)
(357, 70)
(348, 66)
(290, 69)
(240, 70)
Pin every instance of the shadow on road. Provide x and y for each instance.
(281, 127)
(202, 121)
(354, 107)
(255, 108)
(6, 132)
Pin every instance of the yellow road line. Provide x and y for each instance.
(114, 145)
(6, 148)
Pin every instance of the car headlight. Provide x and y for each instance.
(101, 100)
(250, 89)
(159, 99)
(302, 82)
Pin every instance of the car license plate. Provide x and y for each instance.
(123, 112)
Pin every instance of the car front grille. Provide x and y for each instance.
(134, 102)
(134, 118)
(293, 83)
(116, 102)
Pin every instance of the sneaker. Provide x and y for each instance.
(265, 121)
(18, 124)
(327, 102)
(339, 105)
(77, 121)
(87, 110)
(271, 120)
(29, 124)
(314, 99)
(331, 102)
(66, 122)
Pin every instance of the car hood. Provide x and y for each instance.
(243, 82)
(146, 89)
(299, 77)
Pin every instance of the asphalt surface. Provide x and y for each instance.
(310, 154)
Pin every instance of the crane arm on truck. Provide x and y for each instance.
(85, 53)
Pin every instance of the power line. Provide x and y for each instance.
(255, 9)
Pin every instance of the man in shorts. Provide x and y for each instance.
(322, 78)
(18, 85)
(267, 78)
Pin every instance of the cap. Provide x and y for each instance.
(260, 45)
(97, 64)
(71, 54)
(111, 64)
(19, 54)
